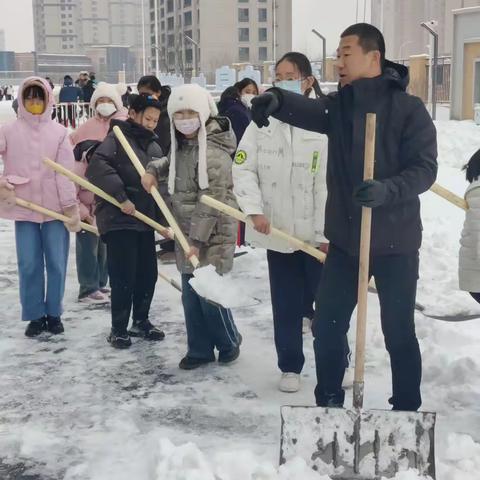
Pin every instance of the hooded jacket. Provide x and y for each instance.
(24, 144)
(469, 257)
(405, 157)
(238, 114)
(110, 169)
(211, 231)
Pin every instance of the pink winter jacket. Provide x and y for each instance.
(24, 144)
(95, 128)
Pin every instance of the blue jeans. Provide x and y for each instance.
(208, 326)
(91, 259)
(41, 246)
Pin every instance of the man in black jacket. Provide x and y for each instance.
(405, 167)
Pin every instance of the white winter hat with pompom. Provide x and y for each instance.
(113, 92)
(191, 97)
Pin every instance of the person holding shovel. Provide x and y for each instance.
(42, 243)
(131, 258)
(279, 178)
(200, 163)
(405, 167)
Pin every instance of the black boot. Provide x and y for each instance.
(36, 327)
(229, 356)
(54, 325)
(120, 341)
(146, 330)
(190, 363)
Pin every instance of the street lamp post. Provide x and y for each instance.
(144, 63)
(157, 60)
(324, 62)
(197, 46)
(429, 26)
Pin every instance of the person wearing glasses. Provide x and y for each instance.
(279, 179)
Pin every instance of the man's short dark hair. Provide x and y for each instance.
(370, 38)
(151, 82)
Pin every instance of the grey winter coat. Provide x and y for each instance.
(469, 258)
(211, 231)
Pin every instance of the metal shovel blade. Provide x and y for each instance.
(358, 444)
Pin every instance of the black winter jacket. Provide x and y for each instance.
(163, 128)
(111, 170)
(238, 114)
(405, 157)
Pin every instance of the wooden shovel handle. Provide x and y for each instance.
(100, 193)
(449, 196)
(50, 213)
(240, 216)
(156, 196)
(364, 263)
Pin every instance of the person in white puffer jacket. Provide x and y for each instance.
(279, 176)
(469, 257)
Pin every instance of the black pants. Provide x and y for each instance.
(396, 279)
(293, 277)
(132, 268)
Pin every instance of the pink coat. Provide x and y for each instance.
(95, 128)
(24, 144)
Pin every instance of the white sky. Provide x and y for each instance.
(329, 17)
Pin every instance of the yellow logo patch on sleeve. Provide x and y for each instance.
(240, 157)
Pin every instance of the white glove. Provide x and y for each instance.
(73, 224)
(7, 194)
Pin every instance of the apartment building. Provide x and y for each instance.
(189, 35)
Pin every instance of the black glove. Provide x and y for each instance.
(370, 193)
(263, 106)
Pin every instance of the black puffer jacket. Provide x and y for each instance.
(405, 157)
(163, 128)
(111, 170)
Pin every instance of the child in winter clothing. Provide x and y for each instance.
(469, 258)
(131, 260)
(42, 243)
(200, 163)
(279, 178)
(92, 274)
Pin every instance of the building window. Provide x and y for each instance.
(244, 54)
(171, 40)
(170, 6)
(476, 79)
(189, 55)
(187, 19)
(170, 23)
(243, 15)
(187, 3)
(171, 58)
(262, 34)
(262, 14)
(243, 35)
(262, 53)
(243, 1)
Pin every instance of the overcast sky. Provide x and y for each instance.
(329, 17)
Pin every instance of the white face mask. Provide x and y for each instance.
(106, 109)
(247, 99)
(188, 126)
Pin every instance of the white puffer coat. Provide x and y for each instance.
(280, 172)
(469, 260)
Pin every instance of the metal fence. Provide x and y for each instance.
(73, 114)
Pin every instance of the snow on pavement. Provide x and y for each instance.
(73, 408)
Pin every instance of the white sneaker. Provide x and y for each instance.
(94, 298)
(290, 382)
(348, 377)
(307, 325)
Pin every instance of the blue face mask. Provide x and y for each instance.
(294, 86)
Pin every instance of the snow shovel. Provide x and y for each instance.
(50, 213)
(240, 216)
(449, 196)
(357, 444)
(206, 282)
(100, 193)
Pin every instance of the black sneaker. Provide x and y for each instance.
(190, 363)
(146, 330)
(36, 327)
(229, 356)
(54, 325)
(119, 341)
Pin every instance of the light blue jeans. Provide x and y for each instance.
(40, 247)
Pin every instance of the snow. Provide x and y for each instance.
(72, 408)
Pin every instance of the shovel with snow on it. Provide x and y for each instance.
(357, 444)
(216, 289)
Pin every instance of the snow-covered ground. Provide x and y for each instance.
(72, 408)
